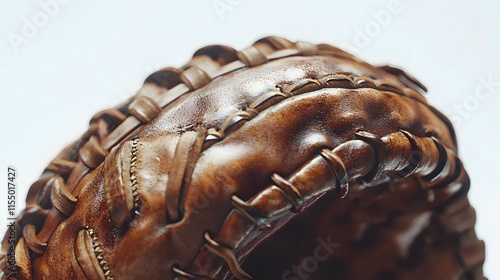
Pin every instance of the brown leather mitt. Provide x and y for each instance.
(281, 161)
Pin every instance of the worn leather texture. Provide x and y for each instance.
(281, 161)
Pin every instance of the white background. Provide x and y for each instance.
(81, 57)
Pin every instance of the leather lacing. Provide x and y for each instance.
(393, 158)
(282, 92)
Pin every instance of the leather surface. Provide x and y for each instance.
(193, 174)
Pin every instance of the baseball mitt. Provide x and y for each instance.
(281, 161)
